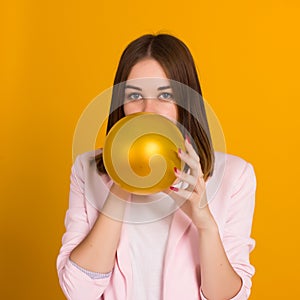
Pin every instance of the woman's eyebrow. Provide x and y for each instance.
(140, 89)
(163, 88)
(133, 87)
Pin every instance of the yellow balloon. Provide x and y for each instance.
(140, 153)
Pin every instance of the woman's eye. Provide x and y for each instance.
(134, 96)
(165, 96)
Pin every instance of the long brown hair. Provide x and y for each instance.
(178, 64)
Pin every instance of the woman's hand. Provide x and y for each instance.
(194, 196)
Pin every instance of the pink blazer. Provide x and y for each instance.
(231, 195)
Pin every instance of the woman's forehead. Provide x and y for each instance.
(147, 67)
(154, 83)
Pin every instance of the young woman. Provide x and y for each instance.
(199, 251)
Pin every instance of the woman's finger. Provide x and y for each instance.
(192, 163)
(196, 198)
(181, 193)
(190, 149)
(191, 180)
(193, 159)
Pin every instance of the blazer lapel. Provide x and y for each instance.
(179, 225)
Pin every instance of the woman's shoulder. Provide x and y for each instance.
(232, 166)
(88, 154)
(85, 164)
(86, 158)
(232, 175)
(231, 161)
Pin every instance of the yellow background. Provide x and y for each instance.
(56, 56)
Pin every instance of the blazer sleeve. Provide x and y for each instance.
(75, 283)
(237, 230)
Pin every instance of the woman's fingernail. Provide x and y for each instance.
(175, 169)
(188, 138)
(179, 151)
(173, 188)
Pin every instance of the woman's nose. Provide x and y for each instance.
(150, 105)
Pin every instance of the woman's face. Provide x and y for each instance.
(148, 90)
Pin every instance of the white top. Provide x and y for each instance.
(147, 245)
